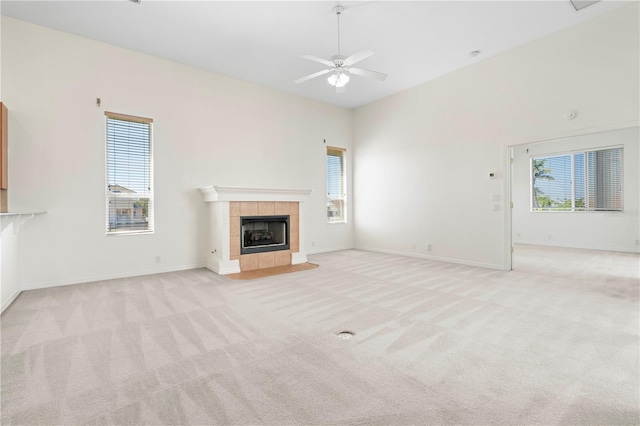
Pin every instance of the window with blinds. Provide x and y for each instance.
(129, 169)
(336, 185)
(579, 181)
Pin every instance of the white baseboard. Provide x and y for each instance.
(436, 258)
(328, 250)
(82, 280)
(579, 246)
(9, 301)
(298, 258)
(224, 267)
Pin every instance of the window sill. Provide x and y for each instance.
(128, 234)
(578, 211)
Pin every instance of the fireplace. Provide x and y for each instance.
(263, 234)
(228, 205)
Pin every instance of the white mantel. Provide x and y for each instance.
(218, 199)
(234, 193)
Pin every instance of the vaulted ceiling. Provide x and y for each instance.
(262, 41)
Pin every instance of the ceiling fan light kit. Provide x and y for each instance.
(340, 66)
(338, 79)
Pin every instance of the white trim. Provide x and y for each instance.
(222, 267)
(59, 283)
(298, 258)
(233, 193)
(436, 258)
(10, 300)
(578, 246)
(329, 250)
(573, 133)
(563, 153)
(508, 211)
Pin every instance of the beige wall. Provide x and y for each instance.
(423, 156)
(207, 127)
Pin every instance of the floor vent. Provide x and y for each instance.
(345, 335)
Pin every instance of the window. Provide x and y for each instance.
(579, 181)
(129, 168)
(336, 185)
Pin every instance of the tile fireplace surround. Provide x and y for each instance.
(227, 204)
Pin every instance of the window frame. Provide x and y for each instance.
(343, 178)
(573, 208)
(149, 178)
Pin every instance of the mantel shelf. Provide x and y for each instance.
(17, 218)
(234, 193)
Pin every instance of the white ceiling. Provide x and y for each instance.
(261, 41)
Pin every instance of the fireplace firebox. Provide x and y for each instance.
(264, 233)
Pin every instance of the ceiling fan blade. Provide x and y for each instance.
(358, 56)
(314, 75)
(322, 61)
(366, 73)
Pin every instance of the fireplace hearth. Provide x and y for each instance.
(263, 234)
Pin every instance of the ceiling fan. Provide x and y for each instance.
(340, 66)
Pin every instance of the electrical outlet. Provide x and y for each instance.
(428, 247)
(313, 243)
(413, 245)
(638, 242)
(157, 259)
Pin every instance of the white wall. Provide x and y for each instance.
(207, 130)
(597, 230)
(422, 157)
(10, 288)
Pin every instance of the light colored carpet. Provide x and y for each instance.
(435, 343)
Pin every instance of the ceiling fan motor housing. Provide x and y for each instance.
(338, 60)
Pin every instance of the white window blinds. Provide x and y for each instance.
(129, 168)
(336, 185)
(579, 181)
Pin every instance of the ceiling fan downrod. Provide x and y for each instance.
(338, 9)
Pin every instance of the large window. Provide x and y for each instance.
(578, 181)
(336, 185)
(129, 191)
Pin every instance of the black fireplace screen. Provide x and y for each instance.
(264, 233)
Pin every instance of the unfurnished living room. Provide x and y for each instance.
(320, 212)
